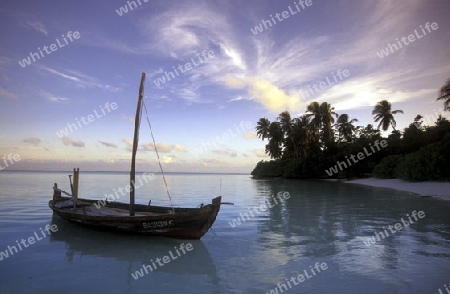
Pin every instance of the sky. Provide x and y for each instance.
(213, 69)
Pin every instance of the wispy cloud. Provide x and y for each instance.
(31, 21)
(38, 26)
(79, 79)
(227, 152)
(71, 142)
(5, 60)
(7, 94)
(111, 145)
(32, 141)
(280, 72)
(240, 98)
(53, 98)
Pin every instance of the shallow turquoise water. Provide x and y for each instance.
(321, 222)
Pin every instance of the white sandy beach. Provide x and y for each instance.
(435, 189)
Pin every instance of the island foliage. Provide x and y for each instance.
(319, 142)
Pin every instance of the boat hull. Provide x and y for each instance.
(182, 223)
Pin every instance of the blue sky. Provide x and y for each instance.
(248, 77)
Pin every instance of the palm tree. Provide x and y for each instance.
(262, 128)
(445, 95)
(383, 113)
(315, 120)
(345, 127)
(275, 136)
(272, 131)
(303, 134)
(286, 125)
(327, 116)
(314, 113)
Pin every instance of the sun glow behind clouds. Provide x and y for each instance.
(270, 96)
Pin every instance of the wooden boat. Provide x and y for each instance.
(186, 223)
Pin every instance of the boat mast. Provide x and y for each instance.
(137, 121)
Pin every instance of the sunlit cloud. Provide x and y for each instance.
(162, 147)
(260, 153)
(250, 135)
(129, 143)
(270, 96)
(212, 162)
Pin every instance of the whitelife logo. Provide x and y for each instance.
(124, 9)
(162, 261)
(360, 155)
(258, 210)
(265, 24)
(395, 228)
(218, 140)
(11, 158)
(411, 38)
(12, 249)
(168, 76)
(324, 84)
(35, 56)
(86, 120)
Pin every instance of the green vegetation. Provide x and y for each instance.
(309, 145)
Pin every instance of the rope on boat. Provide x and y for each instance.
(157, 154)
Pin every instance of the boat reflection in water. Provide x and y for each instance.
(81, 243)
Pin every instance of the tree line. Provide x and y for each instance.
(307, 145)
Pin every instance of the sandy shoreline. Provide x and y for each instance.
(439, 190)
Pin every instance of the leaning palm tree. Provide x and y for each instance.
(383, 114)
(445, 95)
(262, 128)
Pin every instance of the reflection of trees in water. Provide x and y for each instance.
(323, 219)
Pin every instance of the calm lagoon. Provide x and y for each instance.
(321, 223)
